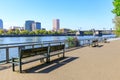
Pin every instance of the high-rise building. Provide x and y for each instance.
(32, 25)
(1, 24)
(36, 26)
(56, 24)
(28, 25)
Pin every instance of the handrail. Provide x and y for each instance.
(18, 43)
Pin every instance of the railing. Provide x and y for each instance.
(19, 46)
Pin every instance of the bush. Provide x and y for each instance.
(72, 42)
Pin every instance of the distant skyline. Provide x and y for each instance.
(73, 14)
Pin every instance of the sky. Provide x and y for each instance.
(73, 14)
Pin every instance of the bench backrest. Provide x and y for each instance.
(40, 51)
(94, 41)
(57, 47)
(34, 51)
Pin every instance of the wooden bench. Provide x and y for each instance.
(38, 54)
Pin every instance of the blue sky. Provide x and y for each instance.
(73, 14)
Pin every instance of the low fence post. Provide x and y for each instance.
(7, 55)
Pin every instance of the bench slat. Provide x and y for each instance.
(33, 52)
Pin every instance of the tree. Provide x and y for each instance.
(49, 32)
(1, 32)
(117, 25)
(116, 11)
(17, 31)
(42, 31)
(32, 33)
(10, 32)
(24, 32)
(37, 32)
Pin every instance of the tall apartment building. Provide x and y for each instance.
(28, 25)
(56, 24)
(36, 26)
(1, 24)
(32, 25)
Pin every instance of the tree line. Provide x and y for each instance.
(26, 32)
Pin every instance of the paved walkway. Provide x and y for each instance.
(99, 63)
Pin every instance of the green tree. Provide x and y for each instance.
(49, 32)
(37, 32)
(116, 11)
(17, 31)
(88, 32)
(32, 33)
(42, 31)
(10, 32)
(117, 25)
(1, 32)
(24, 32)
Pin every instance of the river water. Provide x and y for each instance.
(13, 52)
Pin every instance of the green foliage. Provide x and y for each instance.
(49, 32)
(88, 32)
(72, 41)
(24, 32)
(117, 25)
(42, 31)
(32, 33)
(1, 32)
(10, 32)
(37, 32)
(17, 31)
(117, 32)
(116, 10)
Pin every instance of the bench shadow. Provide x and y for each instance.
(4, 67)
(98, 46)
(48, 67)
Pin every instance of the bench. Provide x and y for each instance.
(40, 53)
(94, 43)
(105, 40)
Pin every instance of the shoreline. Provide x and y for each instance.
(48, 35)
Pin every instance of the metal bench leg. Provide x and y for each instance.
(20, 68)
(63, 53)
(13, 65)
(48, 59)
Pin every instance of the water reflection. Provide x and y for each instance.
(6, 40)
